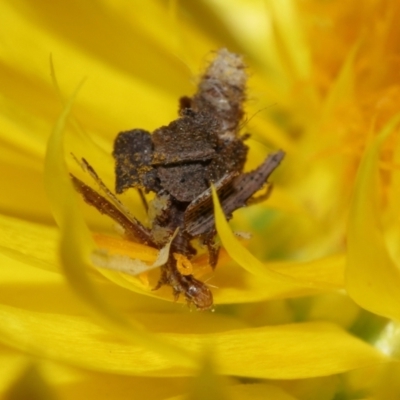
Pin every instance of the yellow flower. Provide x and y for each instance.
(308, 308)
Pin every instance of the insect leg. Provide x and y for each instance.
(132, 227)
(109, 195)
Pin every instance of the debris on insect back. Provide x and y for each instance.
(178, 163)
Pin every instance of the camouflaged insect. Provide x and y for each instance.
(178, 163)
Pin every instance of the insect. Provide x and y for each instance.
(178, 163)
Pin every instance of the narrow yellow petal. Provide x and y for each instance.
(343, 87)
(372, 278)
(296, 276)
(235, 249)
(291, 32)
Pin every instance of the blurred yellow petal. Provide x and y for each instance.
(335, 308)
(311, 356)
(114, 71)
(342, 87)
(61, 332)
(15, 203)
(321, 388)
(257, 391)
(30, 385)
(105, 386)
(281, 200)
(325, 273)
(28, 242)
(21, 284)
(74, 383)
(250, 391)
(372, 278)
(238, 352)
(290, 31)
(12, 362)
(207, 385)
(388, 386)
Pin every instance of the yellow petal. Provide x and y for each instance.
(21, 283)
(338, 308)
(31, 243)
(235, 249)
(125, 247)
(294, 277)
(291, 33)
(18, 182)
(258, 391)
(325, 273)
(318, 349)
(372, 278)
(234, 285)
(249, 391)
(281, 200)
(102, 386)
(207, 385)
(248, 26)
(388, 386)
(115, 72)
(309, 349)
(12, 363)
(342, 87)
(321, 388)
(74, 383)
(30, 385)
(128, 265)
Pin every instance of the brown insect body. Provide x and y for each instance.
(179, 162)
